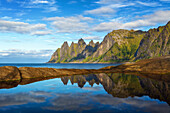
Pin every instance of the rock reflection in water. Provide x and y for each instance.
(124, 85)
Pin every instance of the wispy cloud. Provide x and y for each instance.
(9, 0)
(47, 5)
(92, 38)
(5, 9)
(39, 2)
(110, 7)
(25, 53)
(110, 1)
(144, 21)
(21, 27)
(70, 24)
(101, 11)
(72, 2)
(41, 33)
(150, 4)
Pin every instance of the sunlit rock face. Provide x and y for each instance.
(156, 42)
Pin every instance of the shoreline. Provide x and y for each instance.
(86, 63)
(157, 68)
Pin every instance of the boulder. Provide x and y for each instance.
(9, 73)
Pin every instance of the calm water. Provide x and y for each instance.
(57, 65)
(119, 93)
(93, 93)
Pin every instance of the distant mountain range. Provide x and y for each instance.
(117, 46)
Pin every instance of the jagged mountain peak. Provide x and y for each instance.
(91, 43)
(72, 42)
(81, 41)
(65, 43)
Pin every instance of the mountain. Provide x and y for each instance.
(117, 46)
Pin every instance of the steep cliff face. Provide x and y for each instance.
(156, 42)
(73, 49)
(90, 49)
(118, 46)
(105, 45)
(66, 53)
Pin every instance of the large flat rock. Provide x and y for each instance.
(30, 72)
(9, 73)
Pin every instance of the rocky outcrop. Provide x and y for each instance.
(159, 65)
(157, 68)
(9, 73)
(30, 72)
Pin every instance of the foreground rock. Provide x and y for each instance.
(30, 72)
(9, 73)
(159, 65)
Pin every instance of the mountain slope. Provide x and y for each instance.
(156, 42)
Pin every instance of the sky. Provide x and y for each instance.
(31, 30)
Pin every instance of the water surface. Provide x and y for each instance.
(58, 65)
(93, 93)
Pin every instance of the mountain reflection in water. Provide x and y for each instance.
(126, 93)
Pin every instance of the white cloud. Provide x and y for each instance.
(9, 0)
(21, 27)
(51, 9)
(72, 2)
(25, 53)
(70, 24)
(5, 9)
(107, 10)
(110, 1)
(100, 11)
(47, 5)
(106, 26)
(92, 38)
(41, 33)
(150, 4)
(40, 2)
(158, 17)
(6, 18)
(4, 54)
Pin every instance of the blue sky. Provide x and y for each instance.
(31, 30)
